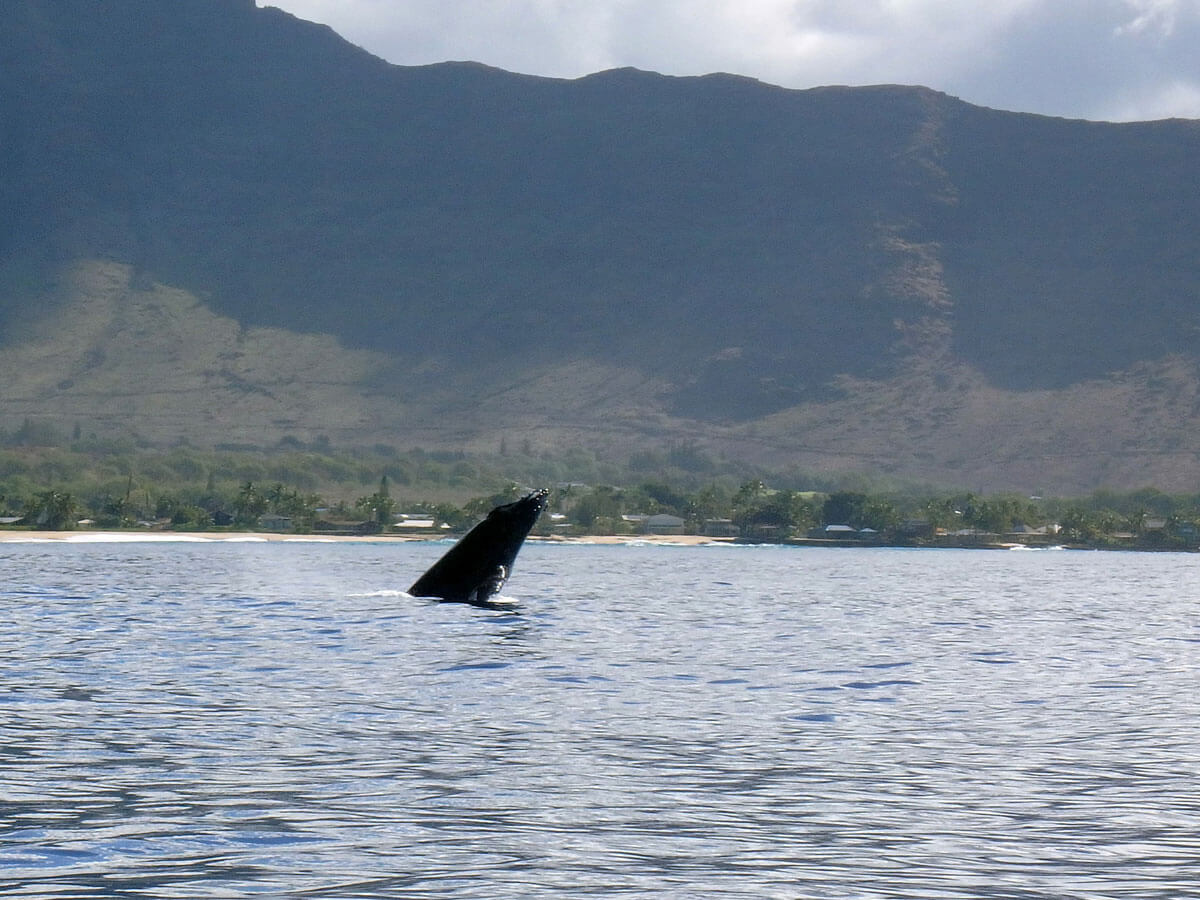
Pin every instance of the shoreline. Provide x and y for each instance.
(89, 536)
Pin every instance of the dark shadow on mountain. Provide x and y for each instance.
(501, 221)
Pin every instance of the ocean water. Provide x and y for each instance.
(248, 719)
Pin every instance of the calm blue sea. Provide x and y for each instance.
(227, 719)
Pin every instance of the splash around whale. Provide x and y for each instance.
(476, 568)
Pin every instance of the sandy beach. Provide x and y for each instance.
(116, 537)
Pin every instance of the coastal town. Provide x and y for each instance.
(753, 514)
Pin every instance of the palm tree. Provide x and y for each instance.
(54, 510)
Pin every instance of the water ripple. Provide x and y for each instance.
(224, 720)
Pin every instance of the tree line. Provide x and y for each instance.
(758, 510)
(754, 509)
(119, 483)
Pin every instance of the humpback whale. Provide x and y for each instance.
(476, 568)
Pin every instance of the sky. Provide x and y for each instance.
(1113, 60)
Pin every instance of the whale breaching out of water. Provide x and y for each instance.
(476, 568)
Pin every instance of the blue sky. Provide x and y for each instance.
(1116, 60)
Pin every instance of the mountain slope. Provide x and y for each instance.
(884, 278)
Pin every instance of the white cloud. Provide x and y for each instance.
(1156, 16)
(1083, 58)
(1178, 99)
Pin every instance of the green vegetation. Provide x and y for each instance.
(305, 488)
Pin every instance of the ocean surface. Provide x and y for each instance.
(236, 719)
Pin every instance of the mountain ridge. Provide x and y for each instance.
(743, 262)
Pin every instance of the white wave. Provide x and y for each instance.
(390, 594)
(104, 537)
(153, 537)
